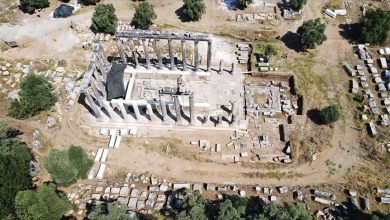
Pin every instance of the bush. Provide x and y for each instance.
(144, 16)
(194, 9)
(110, 211)
(14, 169)
(269, 50)
(90, 2)
(297, 5)
(31, 5)
(243, 3)
(65, 167)
(35, 96)
(44, 203)
(104, 19)
(311, 34)
(375, 26)
(330, 114)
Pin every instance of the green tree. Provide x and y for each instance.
(66, 166)
(297, 5)
(79, 159)
(311, 33)
(269, 50)
(110, 212)
(35, 96)
(31, 5)
(144, 16)
(375, 26)
(15, 158)
(243, 3)
(104, 19)
(330, 114)
(228, 212)
(90, 2)
(194, 9)
(285, 212)
(42, 204)
(194, 208)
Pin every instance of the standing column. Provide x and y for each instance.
(196, 56)
(220, 66)
(232, 108)
(163, 109)
(124, 112)
(158, 51)
(133, 52)
(172, 58)
(136, 110)
(146, 53)
(92, 105)
(232, 68)
(183, 55)
(102, 89)
(208, 56)
(120, 50)
(97, 95)
(177, 109)
(150, 112)
(233, 119)
(192, 109)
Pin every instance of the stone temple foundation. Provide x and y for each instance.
(148, 88)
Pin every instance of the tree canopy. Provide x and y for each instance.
(66, 166)
(15, 160)
(375, 26)
(42, 204)
(194, 208)
(330, 114)
(144, 16)
(311, 34)
(90, 2)
(109, 212)
(297, 5)
(104, 19)
(31, 5)
(194, 9)
(243, 3)
(35, 96)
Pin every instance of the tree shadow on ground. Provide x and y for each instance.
(314, 115)
(291, 40)
(182, 15)
(350, 32)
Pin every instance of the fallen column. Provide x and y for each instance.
(196, 56)
(183, 54)
(171, 56)
(208, 56)
(146, 53)
(91, 103)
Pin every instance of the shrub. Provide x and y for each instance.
(104, 19)
(90, 2)
(297, 5)
(35, 96)
(31, 5)
(194, 9)
(311, 34)
(330, 114)
(144, 16)
(66, 166)
(375, 26)
(43, 203)
(14, 169)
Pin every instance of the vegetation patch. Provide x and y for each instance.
(66, 166)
